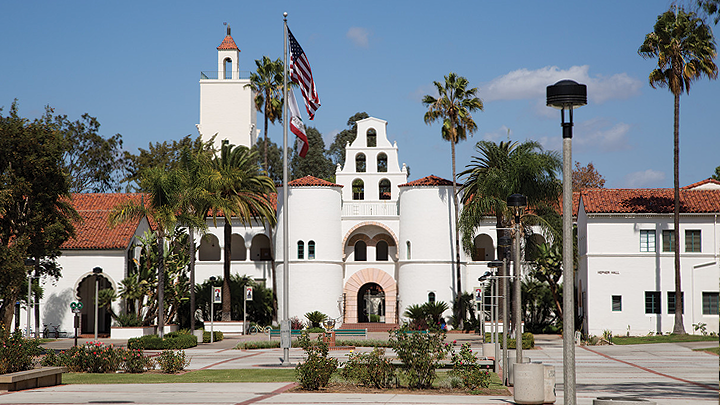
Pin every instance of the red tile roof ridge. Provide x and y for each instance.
(428, 181)
(702, 183)
(650, 200)
(311, 181)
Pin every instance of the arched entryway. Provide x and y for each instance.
(85, 293)
(376, 287)
(371, 303)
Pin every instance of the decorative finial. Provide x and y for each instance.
(285, 14)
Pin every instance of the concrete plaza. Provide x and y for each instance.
(664, 373)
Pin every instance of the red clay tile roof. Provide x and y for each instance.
(310, 181)
(649, 201)
(227, 44)
(710, 183)
(93, 231)
(428, 181)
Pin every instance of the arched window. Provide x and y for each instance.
(238, 252)
(360, 251)
(311, 249)
(371, 138)
(407, 252)
(382, 163)
(227, 68)
(381, 251)
(384, 189)
(358, 189)
(209, 250)
(431, 297)
(483, 248)
(360, 166)
(301, 250)
(260, 248)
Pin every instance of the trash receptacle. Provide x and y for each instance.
(529, 383)
(549, 377)
(622, 401)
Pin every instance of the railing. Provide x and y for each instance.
(214, 75)
(362, 209)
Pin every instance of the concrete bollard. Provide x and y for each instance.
(529, 379)
(511, 365)
(622, 401)
(488, 349)
(198, 335)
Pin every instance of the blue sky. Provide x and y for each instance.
(136, 66)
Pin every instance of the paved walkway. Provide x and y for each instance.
(669, 374)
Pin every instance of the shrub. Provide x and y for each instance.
(217, 336)
(50, 359)
(369, 369)
(315, 372)
(528, 340)
(128, 320)
(17, 353)
(172, 362)
(92, 357)
(420, 354)
(173, 340)
(467, 369)
(315, 318)
(296, 323)
(134, 361)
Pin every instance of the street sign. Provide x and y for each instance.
(217, 295)
(76, 307)
(478, 294)
(248, 293)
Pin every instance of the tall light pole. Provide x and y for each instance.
(518, 203)
(97, 271)
(566, 95)
(29, 263)
(504, 242)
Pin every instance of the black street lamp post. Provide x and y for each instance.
(518, 202)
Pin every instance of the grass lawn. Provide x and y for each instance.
(635, 340)
(713, 350)
(198, 376)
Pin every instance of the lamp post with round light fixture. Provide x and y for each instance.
(97, 271)
(566, 95)
(517, 202)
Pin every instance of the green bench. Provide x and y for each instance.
(351, 332)
(293, 332)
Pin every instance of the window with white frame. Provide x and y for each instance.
(652, 302)
(671, 302)
(311, 249)
(710, 303)
(692, 240)
(647, 240)
(617, 303)
(668, 240)
(301, 250)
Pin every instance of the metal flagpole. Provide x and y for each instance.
(285, 323)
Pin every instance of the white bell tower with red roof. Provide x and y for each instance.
(227, 106)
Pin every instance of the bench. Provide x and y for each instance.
(293, 332)
(415, 332)
(39, 377)
(351, 332)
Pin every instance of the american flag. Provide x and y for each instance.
(301, 74)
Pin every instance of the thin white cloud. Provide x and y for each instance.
(359, 36)
(531, 84)
(600, 135)
(501, 134)
(642, 179)
(422, 91)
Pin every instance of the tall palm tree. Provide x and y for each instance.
(239, 190)
(165, 200)
(685, 48)
(267, 84)
(500, 170)
(453, 107)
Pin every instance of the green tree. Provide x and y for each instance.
(165, 205)
(239, 190)
(165, 155)
(685, 48)
(93, 163)
(36, 215)
(453, 107)
(716, 176)
(315, 163)
(547, 267)
(274, 155)
(711, 8)
(336, 151)
(267, 83)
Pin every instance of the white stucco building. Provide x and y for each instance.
(366, 247)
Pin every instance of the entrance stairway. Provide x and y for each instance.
(371, 326)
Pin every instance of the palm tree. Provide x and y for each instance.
(500, 170)
(238, 190)
(267, 84)
(453, 106)
(165, 200)
(685, 48)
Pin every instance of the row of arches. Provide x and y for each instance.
(384, 189)
(484, 247)
(363, 248)
(310, 250)
(209, 249)
(361, 163)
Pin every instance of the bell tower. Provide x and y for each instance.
(227, 107)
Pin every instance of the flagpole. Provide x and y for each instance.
(285, 323)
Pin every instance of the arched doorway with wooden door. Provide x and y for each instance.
(371, 304)
(370, 291)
